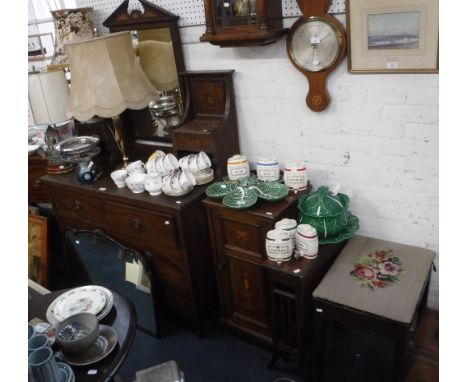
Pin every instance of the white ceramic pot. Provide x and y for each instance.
(295, 176)
(307, 241)
(288, 225)
(278, 245)
(268, 169)
(238, 167)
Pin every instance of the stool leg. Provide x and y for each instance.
(318, 347)
(398, 357)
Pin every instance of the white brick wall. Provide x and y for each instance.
(378, 138)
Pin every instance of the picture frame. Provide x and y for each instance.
(38, 249)
(393, 36)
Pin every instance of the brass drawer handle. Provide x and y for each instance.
(77, 205)
(37, 183)
(137, 224)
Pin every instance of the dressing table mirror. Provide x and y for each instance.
(156, 38)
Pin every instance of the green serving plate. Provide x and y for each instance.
(270, 191)
(240, 199)
(347, 233)
(218, 190)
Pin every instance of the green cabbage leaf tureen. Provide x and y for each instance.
(328, 214)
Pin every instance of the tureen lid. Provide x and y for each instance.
(323, 203)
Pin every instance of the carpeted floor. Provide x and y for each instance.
(352, 356)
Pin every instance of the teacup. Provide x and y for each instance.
(203, 161)
(136, 182)
(137, 167)
(278, 245)
(153, 184)
(171, 182)
(183, 162)
(170, 162)
(160, 167)
(151, 166)
(186, 179)
(119, 177)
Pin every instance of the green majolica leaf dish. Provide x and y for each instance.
(218, 190)
(244, 182)
(270, 191)
(347, 233)
(240, 199)
(325, 211)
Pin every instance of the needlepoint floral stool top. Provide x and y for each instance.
(377, 276)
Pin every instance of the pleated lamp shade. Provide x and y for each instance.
(48, 97)
(106, 78)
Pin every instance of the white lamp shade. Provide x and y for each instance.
(31, 121)
(48, 97)
(106, 78)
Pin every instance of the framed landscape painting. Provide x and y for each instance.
(37, 249)
(393, 36)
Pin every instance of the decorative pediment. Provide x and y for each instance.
(121, 18)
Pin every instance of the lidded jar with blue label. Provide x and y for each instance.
(268, 169)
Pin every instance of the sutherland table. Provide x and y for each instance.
(260, 301)
(289, 289)
(172, 231)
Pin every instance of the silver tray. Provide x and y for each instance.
(77, 145)
(82, 156)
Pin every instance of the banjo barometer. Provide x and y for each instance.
(316, 45)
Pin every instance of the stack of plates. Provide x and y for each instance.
(90, 299)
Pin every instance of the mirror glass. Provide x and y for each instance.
(156, 55)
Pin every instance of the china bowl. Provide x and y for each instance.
(136, 183)
(77, 333)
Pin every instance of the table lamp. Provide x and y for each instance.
(48, 94)
(107, 79)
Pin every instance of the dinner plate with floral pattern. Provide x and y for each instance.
(91, 299)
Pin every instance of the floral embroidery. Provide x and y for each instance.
(378, 269)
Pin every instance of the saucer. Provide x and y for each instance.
(347, 233)
(101, 348)
(66, 371)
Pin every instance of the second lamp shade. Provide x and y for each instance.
(106, 78)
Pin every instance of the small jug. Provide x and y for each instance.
(307, 241)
